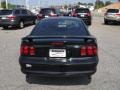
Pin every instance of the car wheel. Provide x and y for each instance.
(21, 24)
(5, 27)
(28, 80)
(89, 23)
(105, 21)
(35, 21)
(89, 77)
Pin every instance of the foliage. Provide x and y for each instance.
(10, 6)
(91, 4)
(65, 6)
(3, 5)
(79, 3)
(99, 4)
(108, 3)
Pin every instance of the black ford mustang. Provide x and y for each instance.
(59, 46)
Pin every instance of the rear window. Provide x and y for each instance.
(58, 27)
(17, 12)
(24, 11)
(5, 12)
(47, 11)
(82, 10)
(112, 11)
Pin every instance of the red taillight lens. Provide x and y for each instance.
(32, 51)
(39, 16)
(11, 17)
(27, 50)
(95, 50)
(75, 14)
(89, 50)
(118, 14)
(83, 51)
(53, 15)
(21, 50)
(88, 14)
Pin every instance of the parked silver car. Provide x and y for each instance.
(16, 18)
(112, 16)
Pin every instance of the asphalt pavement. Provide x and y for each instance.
(107, 76)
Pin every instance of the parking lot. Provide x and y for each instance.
(106, 78)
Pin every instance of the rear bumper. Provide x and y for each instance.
(112, 19)
(87, 20)
(8, 23)
(58, 68)
(58, 74)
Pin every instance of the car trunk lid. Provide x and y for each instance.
(58, 47)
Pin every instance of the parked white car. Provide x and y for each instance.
(112, 16)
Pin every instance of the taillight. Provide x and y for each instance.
(32, 51)
(88, 14)
(83, 51)
(95, 50)
(27, 50)
(53, 15)
(74, 14)
(39, 16)
(88, 50)
(11, 17)
(118, 14)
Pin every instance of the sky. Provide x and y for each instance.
(46, 3)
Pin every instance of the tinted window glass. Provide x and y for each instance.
(24, 12)
(82, 11)
(57, 11)
(17, 12)
(60, 27)
(47, 11)
(30, 13)
(5, 12)
(112, 11)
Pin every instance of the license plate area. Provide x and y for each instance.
(82, 15)
(3, 18)
(110, 15)
(57, 53)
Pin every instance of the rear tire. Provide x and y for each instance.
(89, 77)
(21, 24)
(105, 22)
(5, 27)
(35, 21)
(28, 79)
(89, 23)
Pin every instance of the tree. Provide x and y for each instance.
(99, 4)
(91, 4)
(108, 3)
(79, 3)
(65, 6)
(10, 6)
(3, 5)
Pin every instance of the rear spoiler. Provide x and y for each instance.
(46, 37)
(88, 39)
